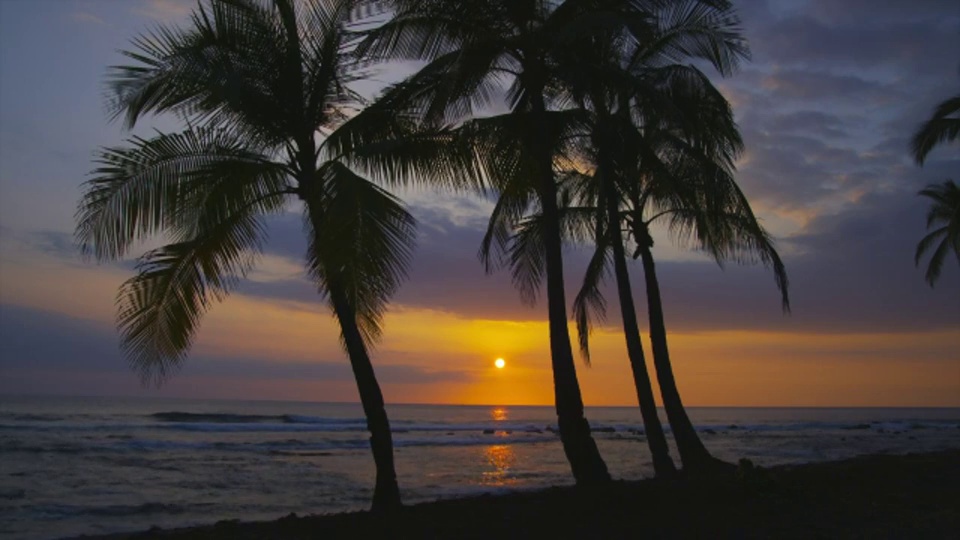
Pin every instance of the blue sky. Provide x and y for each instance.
(826, 106)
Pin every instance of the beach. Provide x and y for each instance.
(908, 496)
(96, 466)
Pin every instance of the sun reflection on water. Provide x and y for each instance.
(500, 457)
(499, 414)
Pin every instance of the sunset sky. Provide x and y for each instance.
(826, 108)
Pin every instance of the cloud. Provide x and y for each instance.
(856, 35)
(855, 274)
(35, 341)
(851, 267)
(882, 11)
(816, 123)
(167, 10)
(831, 97)
(54, 244)
(88, 18)
(806, 85)
(339, 371)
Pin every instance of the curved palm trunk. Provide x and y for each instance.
(662, 464)
(578, 444)
(693, 453)
(581, 450)
(386, 493)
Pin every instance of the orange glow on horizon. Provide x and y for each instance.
(434, 356)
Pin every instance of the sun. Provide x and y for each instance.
(499, 362)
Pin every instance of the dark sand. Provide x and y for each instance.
(912, 496)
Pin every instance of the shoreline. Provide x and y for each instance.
(889, 496)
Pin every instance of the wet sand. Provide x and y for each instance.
(910, 496)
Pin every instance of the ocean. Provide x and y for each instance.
(71, 466)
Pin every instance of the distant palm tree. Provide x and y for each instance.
(676, 182)
(687, 182)
(259, 83)
(727, 229)
(945, 212)
(662, 139)
(943, 126)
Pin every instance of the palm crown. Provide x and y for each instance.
(258, 86)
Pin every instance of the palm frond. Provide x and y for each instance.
(723, 224)
(239, 64)
(590, 306)
(422, 30)
(453, 87)
(508, 211)
(946, 200)
(360, 240)
(153, 185)
(527, 258)
(159, 309)
(324, 44)
(935, 266)
(943, 126)
(944, 211)
(927, 241)
(395, 150)
(708, 30)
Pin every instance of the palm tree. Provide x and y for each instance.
(583, 219)
(601, 85)
(943, 126)
(663, 140)
(693, 189)
(687, 181)
(471, 48)
(701, 204)
(739, 237)
(945, 211)
(258, 84)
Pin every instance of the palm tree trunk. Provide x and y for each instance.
(662, 464)
(581, 450)
(693, 453)
(578, 444)
(386, 493)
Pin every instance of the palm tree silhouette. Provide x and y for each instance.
(662, 146)
(728, 230)
(945, 212)
(943, 126)
(471, 48)
(259, 85)
(674, 180)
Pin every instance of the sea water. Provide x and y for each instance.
(71, 466)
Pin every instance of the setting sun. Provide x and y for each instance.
(499, 362)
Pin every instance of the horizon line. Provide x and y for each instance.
(425, 404)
